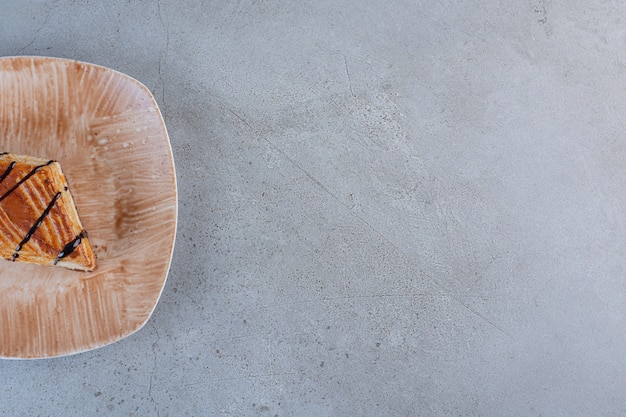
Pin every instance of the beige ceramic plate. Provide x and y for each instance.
(107, 132)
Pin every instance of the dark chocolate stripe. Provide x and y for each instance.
(7, 171)
(36, 225)
(23, 180)
(70, 247)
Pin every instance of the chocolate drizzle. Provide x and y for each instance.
(71, 246)
(23, 180)
(7, 171)
(36, 225)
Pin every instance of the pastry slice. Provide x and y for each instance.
(38, 219)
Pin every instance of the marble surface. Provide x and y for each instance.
(385, 208)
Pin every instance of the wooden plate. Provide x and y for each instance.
(107, 132)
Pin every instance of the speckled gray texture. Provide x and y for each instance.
(386, 208)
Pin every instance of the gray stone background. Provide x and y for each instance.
(387, 208)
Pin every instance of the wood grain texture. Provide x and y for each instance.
(108, 134)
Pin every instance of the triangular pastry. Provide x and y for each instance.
(38, 219)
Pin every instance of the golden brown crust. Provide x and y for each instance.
(39, 222)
